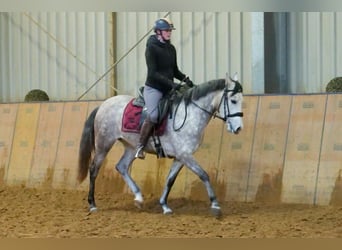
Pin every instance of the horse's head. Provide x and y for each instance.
(231, 105)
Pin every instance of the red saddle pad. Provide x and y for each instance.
(131, 120)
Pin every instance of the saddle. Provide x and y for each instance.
(135, 114)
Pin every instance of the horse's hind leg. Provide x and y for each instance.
(93, 172)
(170, 180)
(122, 167)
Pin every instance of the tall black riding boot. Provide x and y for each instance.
(145, 132)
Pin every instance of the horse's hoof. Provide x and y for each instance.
(216, 212)
(138, 204)
(138, 200)
(93, 210)
(168, 212)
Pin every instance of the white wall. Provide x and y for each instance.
(315, 50)
(61, 53)
(208, 44)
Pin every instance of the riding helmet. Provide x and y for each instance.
(163, 24)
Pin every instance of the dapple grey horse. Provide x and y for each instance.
(183, 134)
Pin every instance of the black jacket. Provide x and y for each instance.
(161, 60)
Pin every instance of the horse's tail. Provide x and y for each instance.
(87, 145)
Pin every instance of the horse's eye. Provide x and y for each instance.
(234, 101)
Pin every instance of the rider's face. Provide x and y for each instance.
(166, 34)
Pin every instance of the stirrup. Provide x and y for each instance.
(140, 153)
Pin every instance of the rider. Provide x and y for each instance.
(161, 61)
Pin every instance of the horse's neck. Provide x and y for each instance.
(211, 102)
(206, 106)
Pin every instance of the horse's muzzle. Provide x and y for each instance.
(237, 131)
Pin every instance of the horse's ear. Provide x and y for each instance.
(235, 77)
(230, 80)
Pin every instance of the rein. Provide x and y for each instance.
(224, 99)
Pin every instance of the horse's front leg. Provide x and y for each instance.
(191, 163)
(170, 180)
(122, 167)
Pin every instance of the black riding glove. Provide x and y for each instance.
(189, 82)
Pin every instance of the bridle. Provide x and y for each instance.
(224, 99)
(226, 110)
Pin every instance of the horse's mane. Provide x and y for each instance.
(187, 94)
(206, 88)
(202, 90)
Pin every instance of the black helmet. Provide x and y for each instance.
(163, 24)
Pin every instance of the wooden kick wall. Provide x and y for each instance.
(290, 151)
